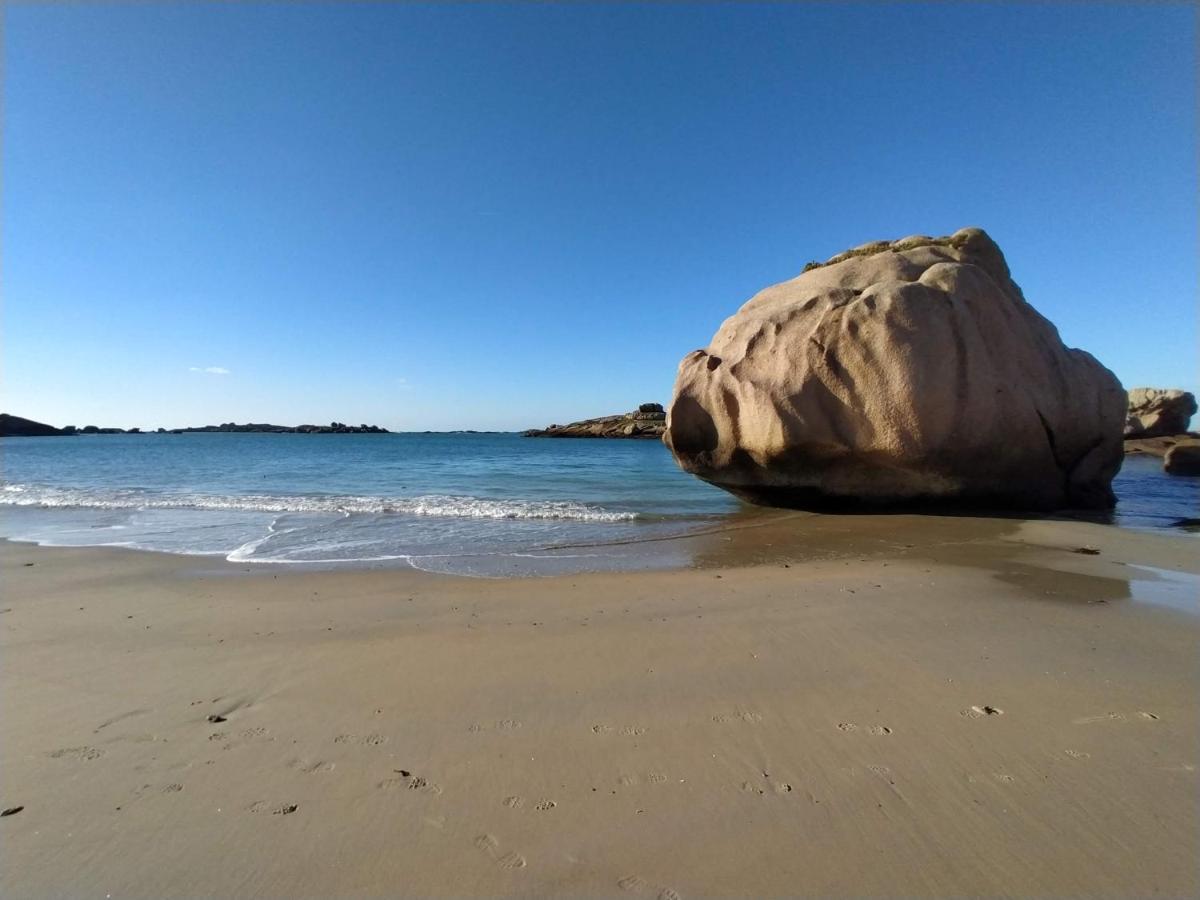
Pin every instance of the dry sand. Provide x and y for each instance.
(821, 706)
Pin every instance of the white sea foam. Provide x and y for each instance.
(439, 505)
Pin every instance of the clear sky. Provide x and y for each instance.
(492, 216)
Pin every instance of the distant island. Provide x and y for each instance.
(16, 426)
(647, 421)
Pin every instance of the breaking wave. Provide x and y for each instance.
(438, 505)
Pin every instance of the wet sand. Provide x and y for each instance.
(858, 706)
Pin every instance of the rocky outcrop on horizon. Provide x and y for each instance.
(903, 372)
(647, 421)
(15, 426)
(1158, 412)
(259, 428)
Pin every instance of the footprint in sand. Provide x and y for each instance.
(1077, 754)
(77, 753)
(283, 809)
(502, 725)
(979, 712)
(1114, 717)
(489, 845)
(1092, 720)
(626, 730)
(119, 718)
(174, 788)
(311, 768)
(361, 740)
(514, 802)
(1004, 777)
(411, 783)
(635, 884)
(544, 805)
(738, 716)
(876, 730)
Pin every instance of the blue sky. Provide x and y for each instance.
(494, 216)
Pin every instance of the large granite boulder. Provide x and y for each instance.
(905, 372)
(1154, 412)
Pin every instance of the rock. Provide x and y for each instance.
(1155, 446)
(648, 421)
(15, 426)
(1155, 412)
(1183, 459)
(911, 372)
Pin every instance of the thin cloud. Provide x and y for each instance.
(209, 370)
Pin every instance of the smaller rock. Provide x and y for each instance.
(1154, 412)
(215, 719)
(1183, 459)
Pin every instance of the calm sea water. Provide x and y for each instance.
(483, 504)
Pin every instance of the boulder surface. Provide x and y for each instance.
(904, 372)
(1155, 412)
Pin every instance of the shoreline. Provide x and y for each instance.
(798, 535)
(804, 711)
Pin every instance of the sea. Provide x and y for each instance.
(462, 503)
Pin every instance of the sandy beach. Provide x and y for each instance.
(819, 706)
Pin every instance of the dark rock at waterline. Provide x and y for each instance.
(1156, 446)
(15, 426)
(911, 372)
(1183, 459)
(647, 421)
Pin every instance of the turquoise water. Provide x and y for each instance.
(469, 503)
(483, 504)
